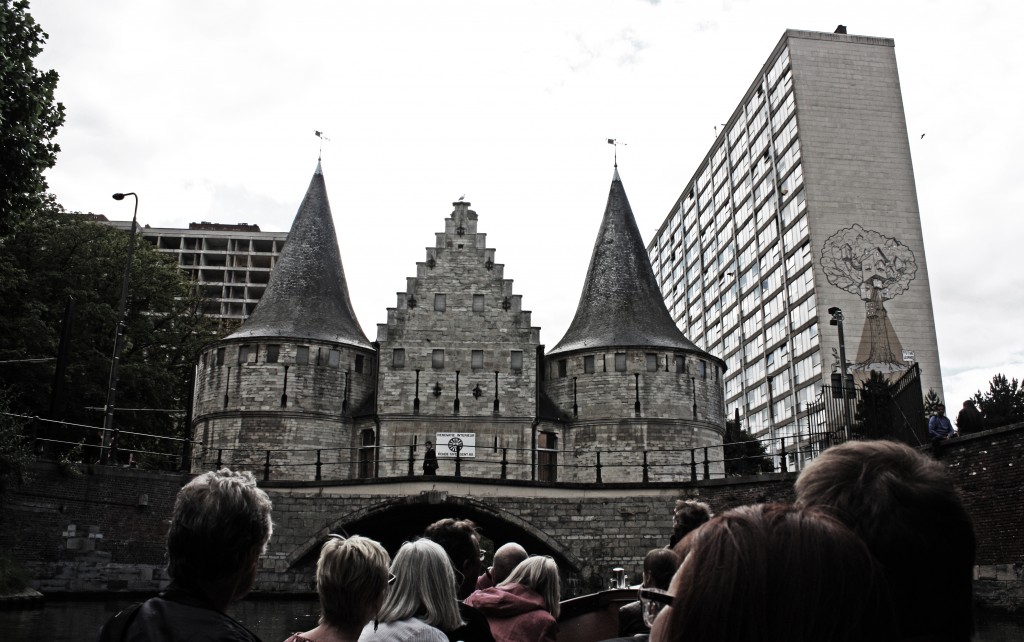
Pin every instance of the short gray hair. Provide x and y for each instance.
(221, 519)
(424, 587)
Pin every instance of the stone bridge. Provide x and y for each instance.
(103, 529)
(588, 529)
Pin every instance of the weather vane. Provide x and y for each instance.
(615, 142)
(320, 135)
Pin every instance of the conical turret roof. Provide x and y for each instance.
(621, 304)
(307, 296)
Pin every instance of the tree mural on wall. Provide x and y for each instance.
(876, 268)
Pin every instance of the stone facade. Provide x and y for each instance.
(298, 391)
(458, 355)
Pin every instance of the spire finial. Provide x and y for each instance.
(320, 135)
(614, 142)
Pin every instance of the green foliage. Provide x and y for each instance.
(55, 256)
(13, 578)
(15, 451)
(876, 409)
(29, 117)
(1003, 403)
(744, 454)
(932, 402)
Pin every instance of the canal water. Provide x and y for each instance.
(275, 619)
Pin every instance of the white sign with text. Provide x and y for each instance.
(449, 443)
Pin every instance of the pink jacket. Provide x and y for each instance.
(515, 613)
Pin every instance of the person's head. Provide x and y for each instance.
(220, 527)
(351, 577)
(424, 587)
(940, 409)
(688, 515)
(506, 558)
(969, 403)
(539, 573)
(660, 565)
(460, 539)
(905, 507)
(773, 572)
(429, 444)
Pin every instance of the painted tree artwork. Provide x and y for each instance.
(876, 268)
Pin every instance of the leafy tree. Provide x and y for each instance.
(1003, 403)
(29, 117)
(744, 453)
(875, 408)
(932, 402)
(15, 453)
(55, 256)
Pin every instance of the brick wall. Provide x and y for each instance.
(988, 468)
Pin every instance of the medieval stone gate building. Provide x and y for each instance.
(300, 391)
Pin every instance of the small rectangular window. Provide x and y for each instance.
(359, 363)
(440, 302)
(561, 367)
(398, 358)
(516, 360)
(652, 362)
(220, 356)
(604, 364)
(243, 353)
(588, 365)
(703, 369)
(273, 352)
(437, 359)
(334, 358)
(620, 362)
(478, 303)
(478, 359)
(302, 355)
(680, 364)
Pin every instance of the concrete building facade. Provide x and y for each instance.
(806, 201)
(229, 264)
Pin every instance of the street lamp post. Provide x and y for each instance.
(109, 435)
(837, 320)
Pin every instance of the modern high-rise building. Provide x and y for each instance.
(805, 202)
(228, 264)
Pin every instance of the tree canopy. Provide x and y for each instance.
(1002, 403)
(56, 256)
(29, 117)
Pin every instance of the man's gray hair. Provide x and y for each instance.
(221, 520)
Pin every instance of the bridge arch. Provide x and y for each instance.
(392, 521)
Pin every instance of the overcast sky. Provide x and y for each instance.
(207, 108)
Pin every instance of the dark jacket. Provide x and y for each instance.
(174, 616)
(475, 628)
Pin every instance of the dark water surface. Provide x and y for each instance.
(275, 619)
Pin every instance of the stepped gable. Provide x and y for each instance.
(621, 304)
(307, 296)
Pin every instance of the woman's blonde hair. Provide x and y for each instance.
(351, 577)
(539, 573)
(424, 587)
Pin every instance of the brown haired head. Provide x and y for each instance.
(904, 506)
(773, 572)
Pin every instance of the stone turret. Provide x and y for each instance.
(624, 372)
(299, 371)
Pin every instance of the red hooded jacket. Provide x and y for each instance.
(515, 613)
